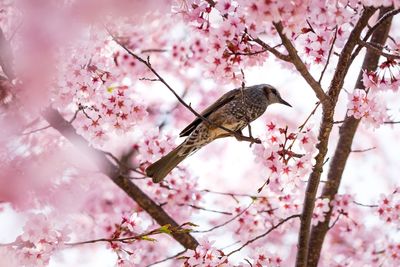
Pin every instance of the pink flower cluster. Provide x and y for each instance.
(226, 46)
(386, 77)
(189, 53)
(263, 213)
(367, 106)
(205, 255)
(127, 252)
(40, 239)
(320, 209)
(284, 165)
(392, 253)
(326, 23)
(154, 145)
(261, 258)
(178, 189)
(341, 204)
(389, 208)
(255, 219)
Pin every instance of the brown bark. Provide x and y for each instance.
(116, 174)
(343, 149)
(323, 137)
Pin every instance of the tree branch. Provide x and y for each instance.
(272, 50)
(336, 85)
(343, 149)
(377, 50)
(238, 135)
(117, 175)
(122, 240)
(383, 19)
(264, 234)
(300, 66)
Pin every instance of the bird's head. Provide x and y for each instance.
(273, 95)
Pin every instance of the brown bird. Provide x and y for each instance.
(234, 111)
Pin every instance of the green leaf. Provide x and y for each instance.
(165, 229)
(147, 238)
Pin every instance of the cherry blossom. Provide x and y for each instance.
(265, 258)
(368, 106)
(205, 255)
(321, 208)
(389, 207)
(40, 239)
(91, 93)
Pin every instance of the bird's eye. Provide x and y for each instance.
(273, 90)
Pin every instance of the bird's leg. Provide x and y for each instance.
(240, 137)
(256, 140)
(249, 127)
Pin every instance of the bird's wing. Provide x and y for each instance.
(226, 98)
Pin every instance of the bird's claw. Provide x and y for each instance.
(240, 137)
(255, 141)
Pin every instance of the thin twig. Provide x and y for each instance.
(75, 115)
(205, 209)
(149, 79)
(138, 171)
(136, 178)
(117, 161)
(154, 50)
(123, 240)
(231, 194)
(392, 122)
(365, 205)
(246, 53)
(301, 127)
(226, 222)
(363, 150)
(335, 221)
(264, 234)
(329, 55)
(168, 258)
(36, 130)
(377, 50)
(163, 123)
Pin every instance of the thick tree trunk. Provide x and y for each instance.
(343, 148)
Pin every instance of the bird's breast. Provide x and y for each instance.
(247, 109)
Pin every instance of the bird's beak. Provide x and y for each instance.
(284, 102)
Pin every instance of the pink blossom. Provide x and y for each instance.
(320, 210)
(368, 107)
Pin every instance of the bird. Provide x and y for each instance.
(234, 110)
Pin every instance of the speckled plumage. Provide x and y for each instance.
(245, 107)
(234, 111)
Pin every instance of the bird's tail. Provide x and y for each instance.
(159, 169)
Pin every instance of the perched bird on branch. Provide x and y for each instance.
(227, 116)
